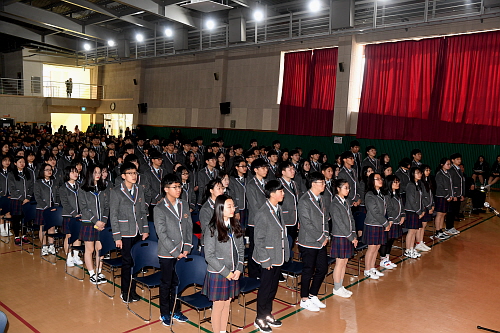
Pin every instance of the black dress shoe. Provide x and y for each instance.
(262, 325)
(135, 297)
(273, 322)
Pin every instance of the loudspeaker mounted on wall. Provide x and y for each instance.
(225, 108)
(341, 66)
(216, 76)
(143, 107)
(135, 82)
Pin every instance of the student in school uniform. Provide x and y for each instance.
(403, 173)
(444, 194)
(396, 216)
(354, 149)
(46, 197)
(271, 252)
(155, 174)
(329, 193)
(458, 181)
(371, 159)
(286, 172)
(313, 238)
(4, 197)
(68, 195)
(416, 155)
(348, 173)
(428, 191)
(129, 221)
(20, 184)
(414, 211)
(237, 185)
(175, 231)
(188, 193)
(314, 160)
(93, 199)
(344, 239)
(224, 254)
(206, 174)
(376, 223)
(213, 189)
(304, 170)
(480, 170)
(272, 157)
(256, 197)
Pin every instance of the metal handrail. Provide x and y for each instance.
(36, 87)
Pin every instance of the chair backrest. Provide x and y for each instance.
(190, 270)
(145, 254)
(152, 231)
(290, 245)
(107, 241)
(52, 218)
(29, 211)
(74, 228)
(195, 242)
(3, 322)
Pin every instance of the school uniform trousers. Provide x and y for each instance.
(458, 181)
(255, 199)
(312, 234)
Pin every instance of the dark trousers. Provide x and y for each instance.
(168, 283)
(243, 218)
(269, 280)
(151, 214)
(127, 263)
(385, 249)
(315, 268)
(293, 232)
(452, 213)
(253, 267)
(16, 224)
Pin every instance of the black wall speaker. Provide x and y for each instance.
(135, 82)
(341, 66)
(143, 107)
(225, 108)
(216, 76)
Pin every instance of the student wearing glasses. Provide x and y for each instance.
(237, 186)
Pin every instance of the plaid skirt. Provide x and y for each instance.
(427, 217)
(342, 248)
(39, 217)
(374, 235)
(16, 207)
(4, 205)
(441, 205)
(88, 233)
(396, 231)
(218, 288)
(412, 221)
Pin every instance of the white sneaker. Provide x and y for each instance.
(376, 272)
(416, 254)
(317, 302)
(45, 251)
(341, 292)
(393, 264)
(427, 248)
(347, 291)
(455, 231)
(386, 264)
(371, 275)
(77, 260)
(309, 305)
(70, 261)
(422, 247)
(4, 233)
(52, 249)
(410, 253)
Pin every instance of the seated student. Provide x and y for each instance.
(175, 231)
(270, 252)
(478, 196)
(495, 173)
(224, 254)
(481, 169)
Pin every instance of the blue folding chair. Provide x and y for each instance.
(153, 236)
(110, 264)
(52, 217)
(74, 228)
(3, 322)
(292, 269)
(247, 285)
(29, 214)
(145, 254)
(196, 244)
(192, 271)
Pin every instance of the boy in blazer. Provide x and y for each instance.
(349, 173)
(155, 175)
(129, 222)
(287, 172)
(371, 159)
(206, 174)
(270, 252)
(175, 231)
(458, 190)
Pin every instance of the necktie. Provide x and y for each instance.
(319, 203)
(278, 213)
(131, 191)
(158, 173)
(292, 188)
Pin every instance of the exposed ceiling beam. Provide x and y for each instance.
(21, 32)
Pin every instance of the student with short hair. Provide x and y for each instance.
(443, 197)
(237, 185)
(416, 156)
(458, 181)
(371, 159)
(286, 172)
(206, 174)
(349, 173)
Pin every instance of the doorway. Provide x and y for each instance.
(117, 123)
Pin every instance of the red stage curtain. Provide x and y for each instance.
(439, 90)
(308, 95)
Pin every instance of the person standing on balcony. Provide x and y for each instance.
(69, 87)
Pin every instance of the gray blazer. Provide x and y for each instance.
(89, 204)
(223, 257)
(374, 164)
(271, 240)
(20, 189)
(69, 200)
(45, 193)
(404, 178)
(175, 230)
(127, 214)
(255, 198)
(143, 181)
(289, 204)
(168, 163)
(376, 209)
(189, 195)
(313, 222)
(328, 195)
(414, 198)
(203, 177)
(352, 179)
(239, 190)
(4, 186)
(444, 185)
(395, 209)
(271, 173)
(343, 224)
(458, 180)
(155, 184)
(206, 213)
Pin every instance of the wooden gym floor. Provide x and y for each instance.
(452, 288)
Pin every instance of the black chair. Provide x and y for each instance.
(196, 244)
(4, 205)
(359, 254)
(192, 271)
(145, 254)
(247, 285)
(292, 269)
(74, 228)
(29, 214)
(110, 264)
(152, 232)
(52, 217)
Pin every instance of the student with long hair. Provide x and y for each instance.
(414, 210)
(224, 254)
(4, 197)
(94, 206)
(429, 189)
(344, 238)
(213, 189)
(188, 193)
(480, 170)
(444, 194)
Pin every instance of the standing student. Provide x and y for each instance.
(224, 254)
(68, 194)
(237, 185)
(272, 157)
(188, 193)
(304, 170)
(213, 189)
(175, 231)
(403, 174)
(428, 189)
(371, 159)
(271, 251)
(344, 239)
(416, 155)
(4, 197)
(313, 238)
(314, 160)
(396, 216)
(414, 210)
(286, 172)
(129, 222)
(348, 173)
(458, 181)
(94, 205)
(155, 175)
(444, 194)
(376, 223)
(206, 174)
(354, 149)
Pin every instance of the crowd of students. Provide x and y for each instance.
(276, 197)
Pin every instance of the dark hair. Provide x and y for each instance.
(41, 171)
(364, 176)
(388, 184)
(293, 152)
(325, 166)
(367, 149)
(412, 173)
(442, 162)
(404, 163)
(271, 187)
(131, 158)
(427, 182)
(217, 221)
(370, 186)
(382, 158)
(314, 176)
(354, 143)
(67, 170)
(338, 183)
(169, 179)
(272, 152)
(415, 152)
(236, 162)
(27, 175)
(345, 155)
(282, 166)
(127, 166)
(88, 184)
(209, 156)
(210, 186)
(385, 167)
(301, 168)
(455, 156)
(258, 163)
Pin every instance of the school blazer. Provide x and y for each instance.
(143, 182)
(223, 257)
(175, 230)
(168, 163)
(343, 224)
(458, 180)
(414, 198)
(444, 185)
(315, 167)
(155, 184)
(189, 195)
(374, 164)
(127, 214)
(313, 223)
(255, 199)
(57, 174)
(395, 209)
(206, 213)
(69, 200)
(88, 202)
(328, 195)
(4, 184)
(376, 209)
(20, 189)
(289, 204)
(271, 172)
(352, 179)
(404, 178)
(44, 192)
(271, 240)
(203, 177)
(239, 190)
(428, 198)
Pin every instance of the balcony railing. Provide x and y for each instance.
(37, 87)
